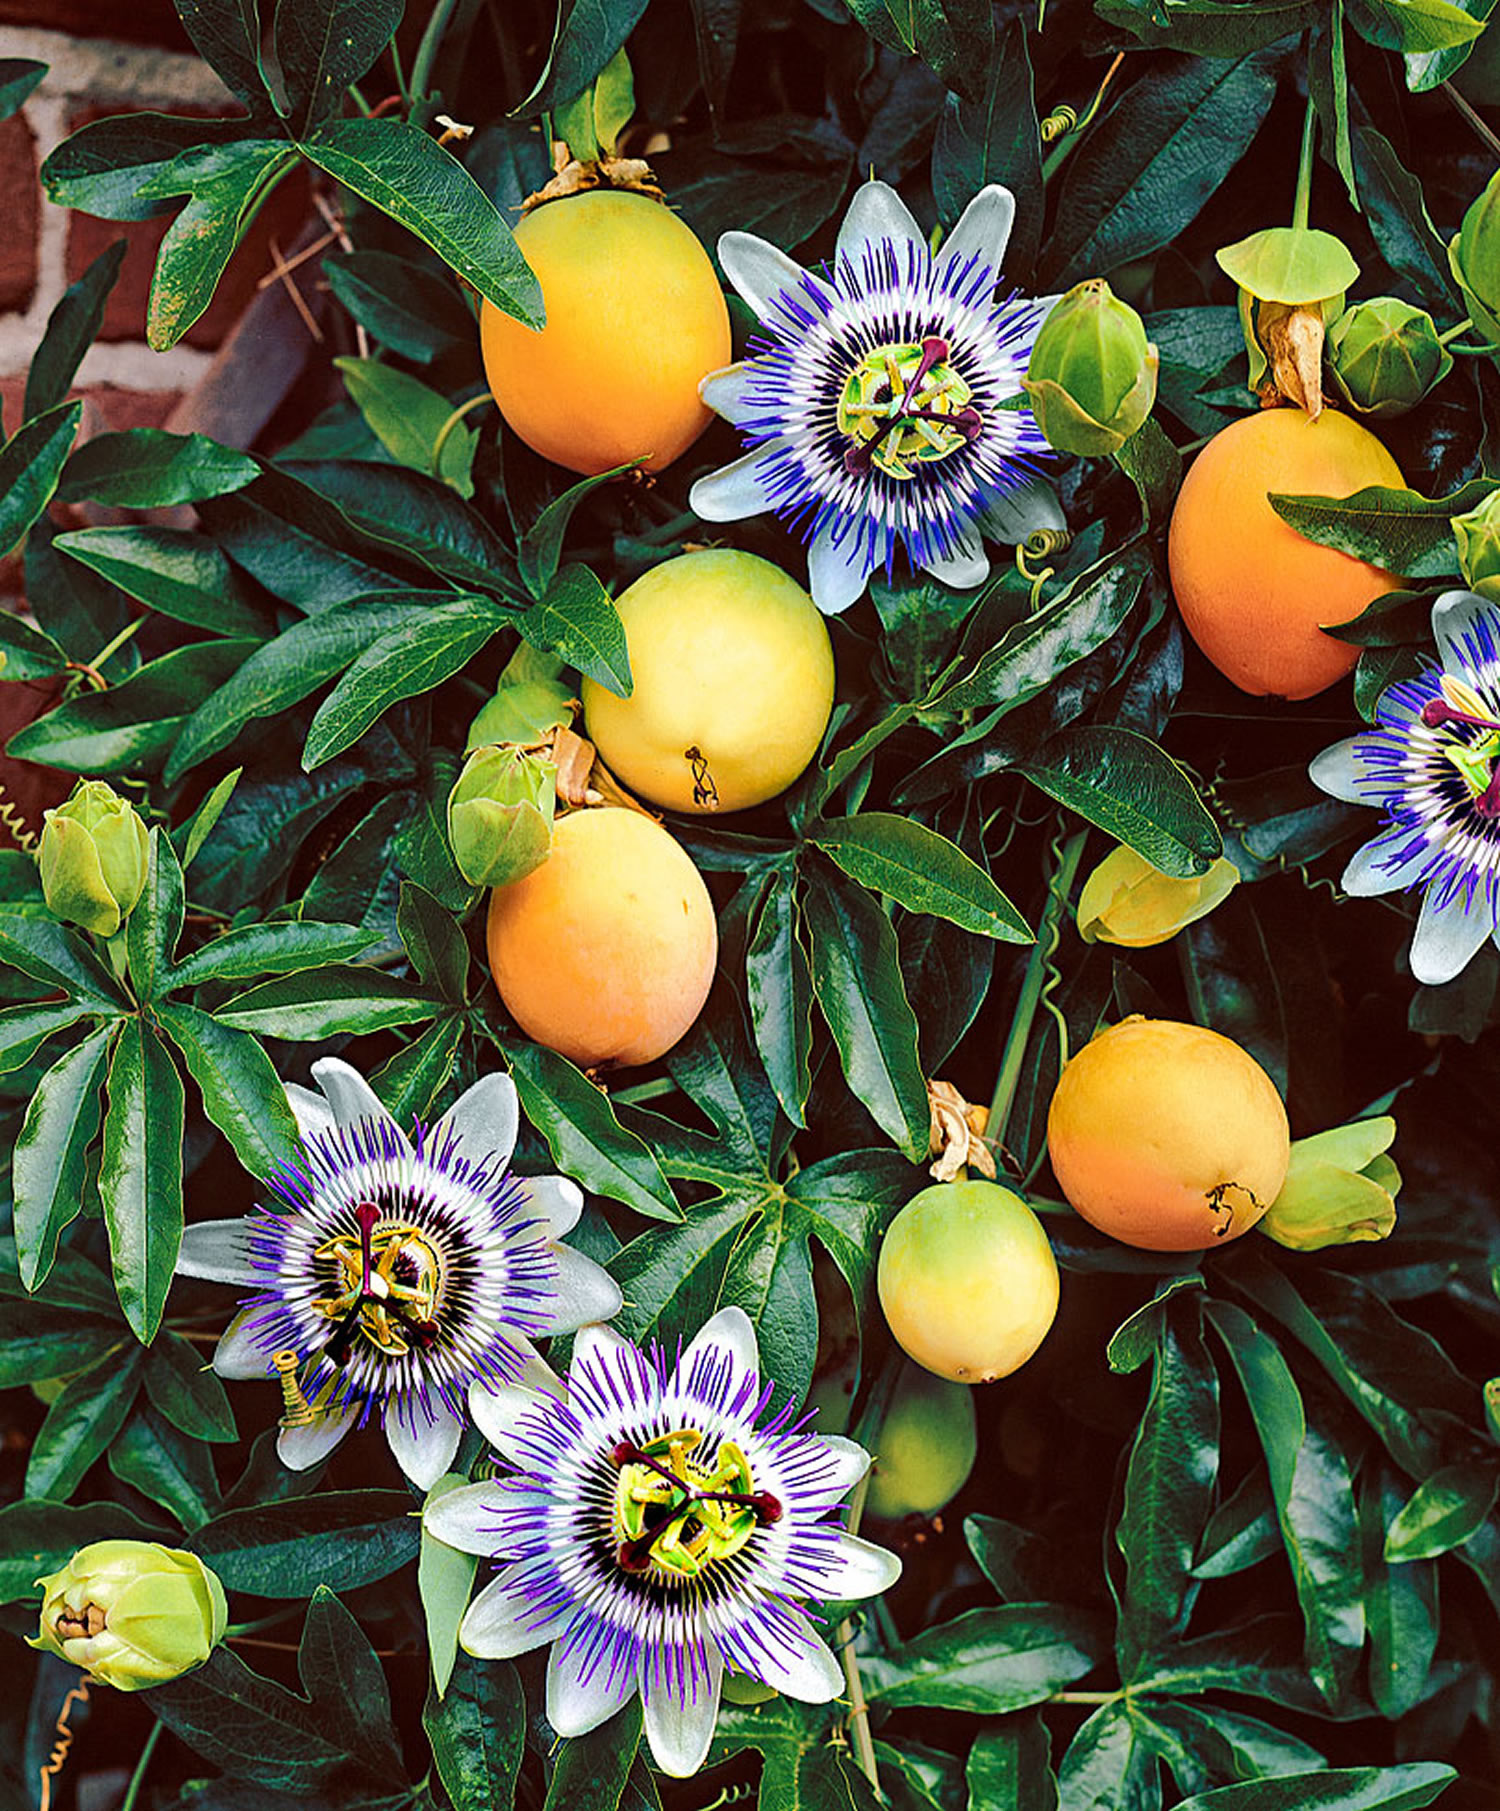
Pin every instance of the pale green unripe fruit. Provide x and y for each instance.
(1092, 376)
(925, 1447)
(93, 857)
(132, 1613)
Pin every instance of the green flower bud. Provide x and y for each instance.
(525, 712)
(1492, 1406)
(93, 857)
(1474, 256)
(132, 1613)
(1126, 901)
(1092, 377)
(1386, 356)
(1340, 1188)
(500, 815)
(1478, 535)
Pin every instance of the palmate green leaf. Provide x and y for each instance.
(1314, 1502)
(576, 619)
(1225, 1744)
(1111, 1761)
(152, 1456)
(1009, 1765)
(1397, 212)
(856, 977)
(148, 468)
(413, 179)
(478, 1734)
(341, 1539)
(920, 870)
(1443, 1512)
(1169, 1489)
(318, 1003)
(140, 1179)
(987, 1662)
(1169, 143)
(407, 307)
(324, 45)
(801, 1770)
(406, 661)
(994, 138)
(31, 463)
(778, 989)
(242, 1093)
(81, 1421)
(541, 546)
(1398, 529)
(1417, 28)
(24, 1029)
(1232, 983)
(41, 1537)
(51, 1152)
(104, 167)
(190, 837)
(279, 948)
(1401, 1602)
(1334, 1789)
(1130, 786)
(414, 1080)
(227, 35)
(1138, 1337)
(342, 1674)
(62, 959)
(178, 573)
(1208, 28)
(72, 328)
(1241, 1532)
(184, 1387)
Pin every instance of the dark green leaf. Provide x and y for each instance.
(41, 1537)
(45, 1340)
(478, 1734)
(576, 620)
(986, 1662)
(319, 1003)
(920, 870)
(49, 952)
(1417, 28)
(106, 166)
(24, 1029)
(227, 36)
(324, 45)
(152, 1455)
(182, 575)
(83, 1418)
(18, 77)
(541, 546)
(994, 138)
(341, 1539)
(411, 1083)
(778, 986)
(412, 310)
(71, 329)
(242, 1093)
(183, 1385)
(588, 34)
(1350, 1789)
(1396, 529)
(270, 949)
(48, 1166)
(190, 837)
(140, 1181)
(1401, 1603)
(1398, 217)
(410, 177)
(155, 924)
(1008, 1765)
(148, 468)
(28, 653)
(31, 463)
(434, 941)
(1111, 1764)
(1443, 1512)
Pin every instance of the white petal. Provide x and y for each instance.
(680, 1733)
(1454, 616)
(965, 568)
(218, 1250)
(735, 490)
(797, 1662)
(837, 576)
(556, 1200)
(423, 1439)
(724, 393)
(576, 1705)
(240, 1353)
(983, 229)
(1026, 510)
(301, 1448)
(484, 1120)
(1447, 936)
(313, 1114)
(597, 1345)
(847, 1463)
(860, 1570)
(496, 1408)
(494, 1627)
(465, 1518)
(730, 1335)
(877, 212)
(585, 1292)
(1386, 865)
(757, 270)
(1340, 774)
(350, 1095)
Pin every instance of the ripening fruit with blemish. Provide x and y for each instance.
(924, 1448)
(635, 319)
(733, 684)
(1168, 1136)
(605, 952)
(967, 1281)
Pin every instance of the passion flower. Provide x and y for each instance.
(878, 397)
(401, 1275)
(1431, 764)
(660, 1525)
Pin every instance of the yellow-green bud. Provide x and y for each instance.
(500, 815)
(525, 711)
(1492, 1406)
(1474, 256)
(93, 858)
(132, 1613)
(1128, 902)
(1478, 535)
(1340, 1188)
(1386, 356)
(1092, 377)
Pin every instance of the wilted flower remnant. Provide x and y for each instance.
(1340, 1188)
(405, 1276)
(878, 398)
(660, 1528)
(1126, 901)
(132, 1613)
(1431, 764)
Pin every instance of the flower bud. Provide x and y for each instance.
(1092, 377)
(523, 711)
(1128, 902)
(1492, 1406)
(500, 815)
(132, 1613)
(1478, 535)
(93, 858)
(1474, 256)
(1386, 356)
(1340, 1188)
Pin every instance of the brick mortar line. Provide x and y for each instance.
(101, 69)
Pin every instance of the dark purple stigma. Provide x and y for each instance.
(1437, 711)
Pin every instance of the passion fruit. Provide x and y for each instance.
(605, 952)
(635, 319)
(925, 1448)
(1167, 1136)
(733, 673)
(967, 1281)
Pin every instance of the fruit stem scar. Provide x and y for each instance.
(705, 792)
(1217, 1203)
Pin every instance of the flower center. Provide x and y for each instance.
(389, 1278)
(1478, 760)
(679, 1516)
(904, 406)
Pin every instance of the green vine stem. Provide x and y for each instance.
(464, 408)
(859, 1710)
(138, 1778)
(1032, 984)
(1302, 203)
(421, 69)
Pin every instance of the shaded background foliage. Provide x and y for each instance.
(1234, 1525)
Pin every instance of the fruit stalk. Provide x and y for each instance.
(1302, 201)
(1032, 983)
(859, 1710)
